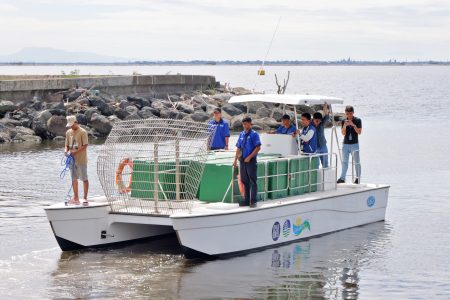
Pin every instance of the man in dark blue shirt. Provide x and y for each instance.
(319, 122)
(308, 136)
(286, 127)
(248, 146)
(222, 131)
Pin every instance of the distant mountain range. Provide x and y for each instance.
(48, 56)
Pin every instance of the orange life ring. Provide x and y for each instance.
(241, 185)
(119, 180)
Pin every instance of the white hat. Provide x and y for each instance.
(71, 120)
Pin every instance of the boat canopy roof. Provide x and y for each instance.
(290, 99)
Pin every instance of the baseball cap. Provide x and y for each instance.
(71, 120)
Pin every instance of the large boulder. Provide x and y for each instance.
(124, 104)
(40, 128)
(241, 106)
(5, 137)
(134, 116)
(24, 134)
(252, 107)
(56, 125)
(146, 113)
(101, 105)
(263, 112)
(90, 112)
(5, 134)
(132, 109)
(231, 110)
(161, 104)
(55, 97)
(185, 108)
(157, 104)
(57, 112)
(199, 116)
(57, 105)
(152, 110)
(200, 99)
(74, 107)
(121, 113)
(81, 119)
(236, 122)
(36, 104)
(175, 98)
(277, 114)
(222, 96)
(172, 113)
(73, 96)
(139, 102)
(241, 91)
(101, 124)
(6, 106)
(270, 123)
(305, 108)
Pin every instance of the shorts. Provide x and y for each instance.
(79, 172)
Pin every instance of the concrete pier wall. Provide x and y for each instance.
(17, 90)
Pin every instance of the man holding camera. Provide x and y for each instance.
(351, 129)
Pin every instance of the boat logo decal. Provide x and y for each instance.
(276, 228)
(286, 228)
(299, 226)
(371, 201)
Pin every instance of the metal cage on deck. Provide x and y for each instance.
(153, 166)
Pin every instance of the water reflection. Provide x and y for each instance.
(325, 267)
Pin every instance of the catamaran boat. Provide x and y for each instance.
(160, 178)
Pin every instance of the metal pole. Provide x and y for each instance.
(177, 169)
(298, 134)
(333, 130)
(155, 176)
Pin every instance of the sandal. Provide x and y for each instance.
(74, 202)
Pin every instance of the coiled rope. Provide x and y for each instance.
(68, 162)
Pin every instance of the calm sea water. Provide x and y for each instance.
(405, 142)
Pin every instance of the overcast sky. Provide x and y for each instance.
(235, 30)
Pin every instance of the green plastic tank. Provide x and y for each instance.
(277, 179)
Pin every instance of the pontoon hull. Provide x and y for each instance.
(77, 227)
(279, 222)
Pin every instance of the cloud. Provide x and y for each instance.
(212, 29)
(4, 7)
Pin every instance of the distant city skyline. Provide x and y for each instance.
(160, 30)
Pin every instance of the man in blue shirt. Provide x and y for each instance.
(220, 139)
(319, 124)
(308, 136)
(248, 146)
(286, 127)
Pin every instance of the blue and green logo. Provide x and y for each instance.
(299, 226)
(286, 228)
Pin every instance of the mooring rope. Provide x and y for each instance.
(68, 162)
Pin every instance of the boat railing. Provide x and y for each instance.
(325, 178)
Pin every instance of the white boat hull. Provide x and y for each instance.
(76, 226)
(277, 222)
